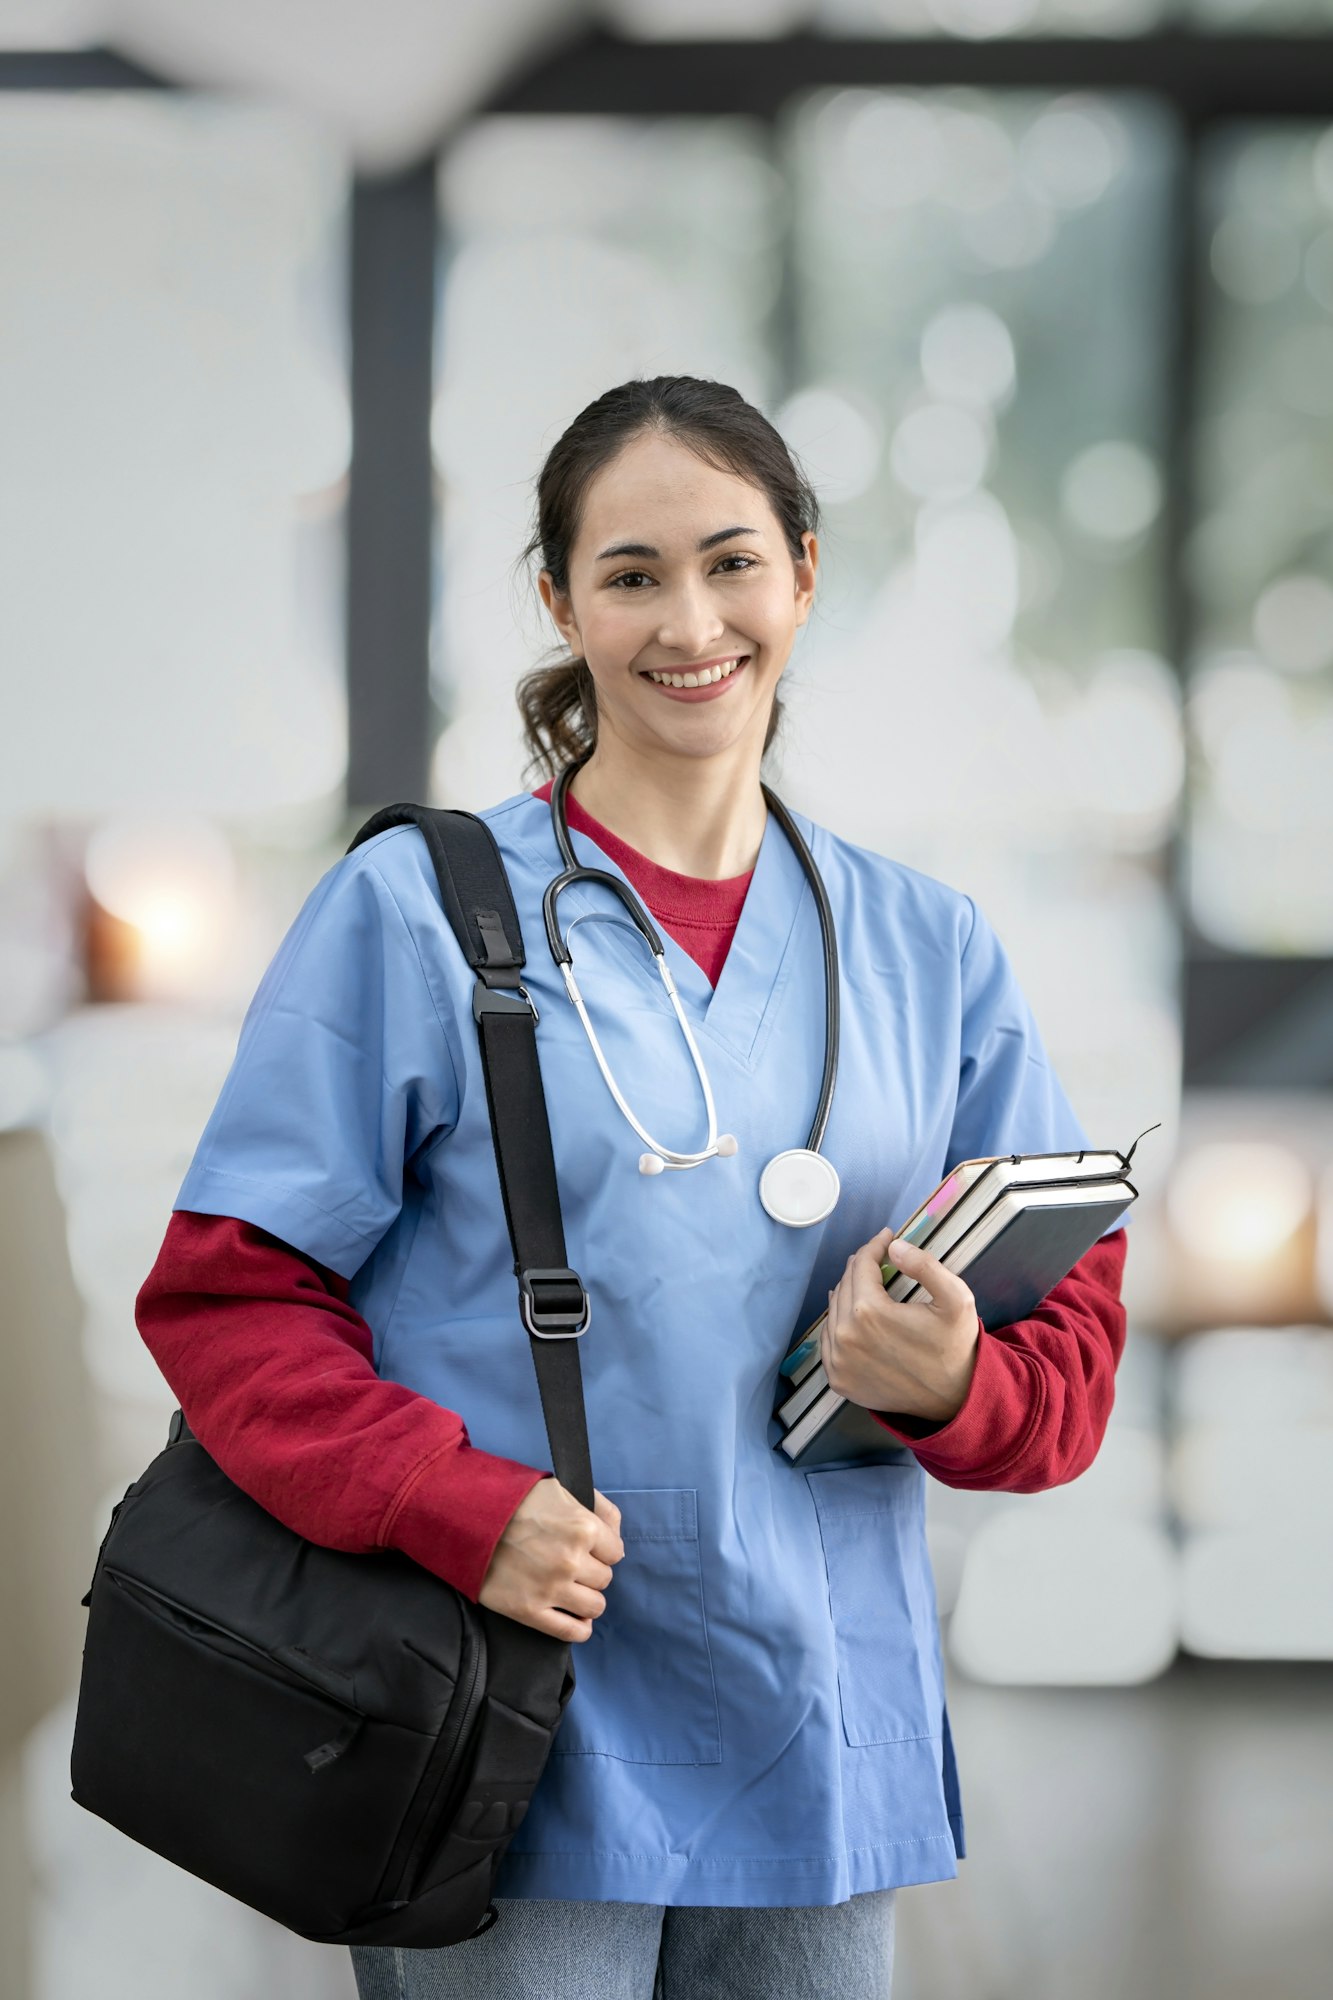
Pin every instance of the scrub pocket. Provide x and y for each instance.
(882, 1597)
(643, 1682)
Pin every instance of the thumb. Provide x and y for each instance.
(945, 1287)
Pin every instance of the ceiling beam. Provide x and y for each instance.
(1204, 76)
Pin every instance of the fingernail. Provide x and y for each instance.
(898, 1243)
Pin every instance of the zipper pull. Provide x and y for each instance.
(330, 1752)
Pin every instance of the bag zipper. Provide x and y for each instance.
(135, 1586)
(420, 1817)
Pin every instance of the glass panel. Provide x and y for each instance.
(981, 284)
(1264, 17)
(991, 20)
(176, 432)
(996, 20)
(1260, 560)
(663, 257)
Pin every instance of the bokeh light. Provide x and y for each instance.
(967, 567)
(1071, 153)
(940, 452)
(967, 356)
(837, 438)
(1112, 492)
(1293, 624)
(1238, 1201)
(173, 878)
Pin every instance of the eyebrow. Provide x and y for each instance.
(645, 549)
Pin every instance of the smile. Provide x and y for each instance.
(699, 682)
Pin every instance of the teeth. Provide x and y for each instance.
(705, 677)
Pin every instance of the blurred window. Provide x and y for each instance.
(954, 305)
(1267, 17)
(576, 252)
(990, 20)
(1259, 562)
(997, 20)
(174, 410)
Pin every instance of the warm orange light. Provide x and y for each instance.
(1238, 1201)
(171, 880)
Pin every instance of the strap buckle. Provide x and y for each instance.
(553, 1320)
(514, 999)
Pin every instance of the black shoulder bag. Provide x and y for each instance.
(345, 1742)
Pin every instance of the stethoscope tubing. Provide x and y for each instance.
(560, 952)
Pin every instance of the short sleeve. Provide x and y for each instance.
(343, 1072)
(1010, 1100)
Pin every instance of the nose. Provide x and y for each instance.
(691, 623)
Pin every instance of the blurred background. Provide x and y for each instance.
(293, 299)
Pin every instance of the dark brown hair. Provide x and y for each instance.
(558, 701)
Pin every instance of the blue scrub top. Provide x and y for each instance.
(759, 1714)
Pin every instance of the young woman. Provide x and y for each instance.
(757, 1754)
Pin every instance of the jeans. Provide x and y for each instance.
(541, 1949)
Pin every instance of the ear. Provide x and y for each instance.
(805, 567)
(558, 603)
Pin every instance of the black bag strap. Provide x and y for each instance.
(553, 1303)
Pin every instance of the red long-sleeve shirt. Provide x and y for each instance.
(274, 1371)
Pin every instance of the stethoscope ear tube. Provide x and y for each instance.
(560, 951)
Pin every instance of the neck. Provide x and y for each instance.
(700, 816)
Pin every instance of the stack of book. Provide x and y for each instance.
(1011, 1227)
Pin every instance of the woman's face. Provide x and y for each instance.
(681, 569)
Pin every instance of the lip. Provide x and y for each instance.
(714, 688)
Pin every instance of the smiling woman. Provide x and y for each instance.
(678, 539)
(758, 1754)
(707, 622)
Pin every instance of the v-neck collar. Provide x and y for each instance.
(759, 960)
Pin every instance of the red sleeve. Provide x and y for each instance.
(274, 1371)
(1041, 1392)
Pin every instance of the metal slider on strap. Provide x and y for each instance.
(552, 1320)
(503, 1000)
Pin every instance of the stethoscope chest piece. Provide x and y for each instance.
(799, 1187)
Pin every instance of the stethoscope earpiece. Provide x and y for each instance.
(797, 1187)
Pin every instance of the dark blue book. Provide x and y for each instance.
(1012, 1255)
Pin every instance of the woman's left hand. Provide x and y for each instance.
(913, 1360)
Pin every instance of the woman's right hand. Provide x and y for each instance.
(553, 1562)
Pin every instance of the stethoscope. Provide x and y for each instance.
(798, 1187)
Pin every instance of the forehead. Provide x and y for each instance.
(657, 490)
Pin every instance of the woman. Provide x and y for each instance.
(757, 1753)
